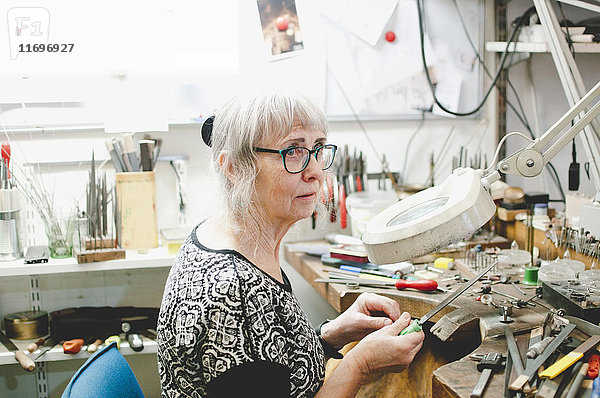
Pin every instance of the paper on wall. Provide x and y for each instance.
(388, 64)
(447, 92)
(364, 18)
(341, 66)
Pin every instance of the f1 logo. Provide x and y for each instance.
(27, 25)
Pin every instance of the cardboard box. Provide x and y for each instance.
(136, 208)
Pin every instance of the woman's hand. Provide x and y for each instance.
(370, 312)
(380, 351)
(386, 351)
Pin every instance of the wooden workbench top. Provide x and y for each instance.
(442, 368)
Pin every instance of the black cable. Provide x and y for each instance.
(428, 76)
(567, 33)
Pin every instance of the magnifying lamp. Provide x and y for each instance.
(438, 216)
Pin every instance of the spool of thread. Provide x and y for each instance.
(531, 276)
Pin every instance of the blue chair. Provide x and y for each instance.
(106, 374)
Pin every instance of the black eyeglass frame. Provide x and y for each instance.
(283, 153)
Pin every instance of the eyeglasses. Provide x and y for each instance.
(296, 158)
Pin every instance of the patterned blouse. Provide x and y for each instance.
(227, 328)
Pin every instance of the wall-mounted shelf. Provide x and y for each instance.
(57, 354)
(533, 47)
(99, 162)
(156, 258)
(94, 126)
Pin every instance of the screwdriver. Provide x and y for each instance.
(416, 325)
(94, 346)
(34, 346)
(424, 285)
(6, 157)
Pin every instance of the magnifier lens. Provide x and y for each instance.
(418, 211)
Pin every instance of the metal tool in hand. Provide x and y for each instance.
(491, 362)
(416, 325)
(424, 285)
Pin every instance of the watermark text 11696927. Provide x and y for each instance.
(50, 48)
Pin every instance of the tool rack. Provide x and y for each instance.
(116, 282)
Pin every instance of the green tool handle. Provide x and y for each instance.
(415, 326)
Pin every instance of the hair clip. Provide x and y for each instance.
(207, 127)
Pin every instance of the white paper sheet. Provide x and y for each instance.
(341, 66)
(447, 92)
(367, 18)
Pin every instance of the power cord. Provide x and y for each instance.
(420, 12)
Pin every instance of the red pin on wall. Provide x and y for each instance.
(390, 36)
(282, 23)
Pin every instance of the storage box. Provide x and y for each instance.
(172, 238)
(136, 208)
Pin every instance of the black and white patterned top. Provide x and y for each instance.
(227, 327)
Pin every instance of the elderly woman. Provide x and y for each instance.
(229, 323)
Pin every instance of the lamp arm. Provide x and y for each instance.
(572, 133)
(581, 4)
(530, 161)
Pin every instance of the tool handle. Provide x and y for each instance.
(415, 326)
(34, 346)
(114, 338)
(73, 346)
(94, 346)
(26, 362)
(6, 157)
(594, 366)
(342, 205)
(424, 285)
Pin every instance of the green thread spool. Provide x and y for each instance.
(531, 276)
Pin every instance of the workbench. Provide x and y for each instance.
(442, 368)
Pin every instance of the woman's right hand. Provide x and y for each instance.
(385, 351)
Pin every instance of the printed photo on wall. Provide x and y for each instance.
(280, 28)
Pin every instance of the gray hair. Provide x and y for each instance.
(246, 122)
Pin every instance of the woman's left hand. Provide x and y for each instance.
(370, 312)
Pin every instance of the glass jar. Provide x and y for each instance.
(59, 231)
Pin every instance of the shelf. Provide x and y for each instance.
(98, 162)
(99, 126)
(156, 258)
(56, 353)
(532, 47)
